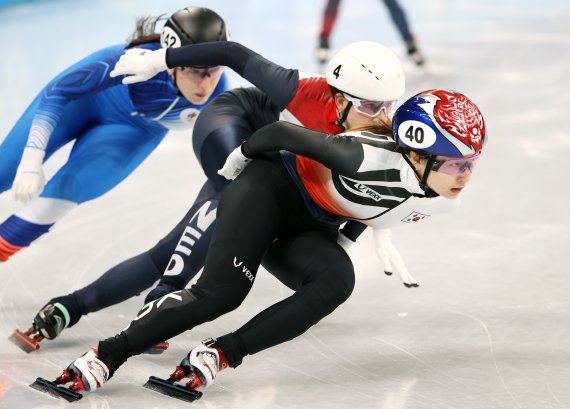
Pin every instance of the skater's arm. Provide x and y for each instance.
(341, 153)
(276, 81)
(84, 78)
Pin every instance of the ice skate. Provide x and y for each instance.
(414, 53)
(200, 366)
(48, 323)
(323, 51)
(85, 375)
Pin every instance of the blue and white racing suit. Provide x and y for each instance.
(114, 127)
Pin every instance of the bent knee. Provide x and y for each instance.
(218, 301)
(337, 289)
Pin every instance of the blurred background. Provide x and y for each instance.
(487, 328)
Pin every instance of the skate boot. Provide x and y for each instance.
(48, 323)
(413, 52)
(86, 373)
(200, 366)
(323, 50)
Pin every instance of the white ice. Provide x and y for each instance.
(489, 325)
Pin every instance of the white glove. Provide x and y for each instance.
(235, 164)
(390, 257)
(140, 65)
(30, 179)
(344, 241)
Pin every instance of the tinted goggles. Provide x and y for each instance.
(199, 73)
(456, 166)
(372, 108)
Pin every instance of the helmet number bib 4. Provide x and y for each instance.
(336, 71)
(416, 134)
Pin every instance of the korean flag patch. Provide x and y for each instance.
(414, 217)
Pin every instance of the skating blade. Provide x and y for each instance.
(24, 342)
(43, 385)
(170, 389)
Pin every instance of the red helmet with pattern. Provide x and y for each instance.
(440, 122)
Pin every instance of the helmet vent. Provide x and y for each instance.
(363, 66)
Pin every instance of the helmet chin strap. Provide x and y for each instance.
(422, 178)
(342, 118)
(427, 170)
(174, 71)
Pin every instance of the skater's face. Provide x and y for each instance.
(197, 84)
(356, 119)
(444, 182)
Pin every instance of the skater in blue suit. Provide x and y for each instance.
(114, 126)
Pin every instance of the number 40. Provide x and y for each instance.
(415, 135)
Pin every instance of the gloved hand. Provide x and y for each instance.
(344, 241)
(235, 164)
(390, 257)
(140, 65)
(30, 179)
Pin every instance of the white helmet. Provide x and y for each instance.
(367, 70)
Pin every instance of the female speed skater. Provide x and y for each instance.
(294, 183)
(114, 126)
(372, 82)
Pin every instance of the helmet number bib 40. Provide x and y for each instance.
(416, 134)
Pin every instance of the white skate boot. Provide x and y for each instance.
(90, 372)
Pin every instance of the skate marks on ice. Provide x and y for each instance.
(499, 340)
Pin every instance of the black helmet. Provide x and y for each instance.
(193, 25)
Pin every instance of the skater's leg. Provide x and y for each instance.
(322, 275)
(255, 201)
(100, 159)
(220, 128)
(127, 279)
(400, 20)
(38, 215)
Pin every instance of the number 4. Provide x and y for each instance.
(336, 71)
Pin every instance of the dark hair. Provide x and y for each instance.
(145, 31)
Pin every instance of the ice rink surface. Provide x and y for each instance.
(489, 325)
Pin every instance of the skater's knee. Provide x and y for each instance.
(336, 289)
(220, 300)
(67, 186)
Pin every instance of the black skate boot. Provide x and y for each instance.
(323, 50)
(48, 323)
(413, 52)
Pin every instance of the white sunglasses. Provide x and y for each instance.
(372, 108)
